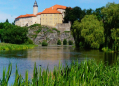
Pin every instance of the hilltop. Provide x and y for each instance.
(38, 33)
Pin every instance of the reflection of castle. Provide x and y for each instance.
(49, 53)
(50, 17)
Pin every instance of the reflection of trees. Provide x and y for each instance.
(14, 54)
(110, 58)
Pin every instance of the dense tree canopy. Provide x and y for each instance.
(92, 31)
(72, 14)
(111, 22)
(89, 31)
(97, 28)
(13, 34)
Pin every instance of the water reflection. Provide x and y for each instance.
(51, 56)
(110, 58)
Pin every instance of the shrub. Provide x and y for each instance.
(56, 30)
(64, 42)
(70, 42)
(58, 42)
(44, 43)
(34, 25)
(29, 41)
(14, 34)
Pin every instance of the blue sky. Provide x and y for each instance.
(10, 9)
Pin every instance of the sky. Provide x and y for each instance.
(10, 9)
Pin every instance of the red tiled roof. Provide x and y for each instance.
(58, 7)
(50, 11)
(53, 9)
(27, 15)
(39, 13)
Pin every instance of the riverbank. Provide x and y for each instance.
(8, 46)
(87, 73)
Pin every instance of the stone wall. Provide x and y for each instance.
(63, 27)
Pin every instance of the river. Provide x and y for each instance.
(48, 56)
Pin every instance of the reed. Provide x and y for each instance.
(87, 73)
(7, 46)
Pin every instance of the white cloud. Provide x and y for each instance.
(4, 16)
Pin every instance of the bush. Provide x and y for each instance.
(64, 42)
(29, 41)
(34, 25)
(58, 42)
(44, 43)
(14, 34)
(70, 42)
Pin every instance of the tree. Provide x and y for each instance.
(115, 37)
(97, 12)
(89, 31)
(7, 21)
(89, 11)
(111, 19)
(14, 34)
(92, 31)
(72, 14)
(64, 42)
(58, 42)
(76, 31)
(13, 23)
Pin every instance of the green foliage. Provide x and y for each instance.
(76, 31)
(87, 73)
(115, 37)
(70, 42)
(1, 25)
(29, 41)
(13, 34)
(58, 42)
(56, 30)
(44, 43)
(98, 13)
(49, 30)
(72, 14)
(90, 31)
(106, 49)
(34, 25)
(6, 46)
(6, 76)
(64, 42)
(111, 17)
(38, 31)
(7, 21)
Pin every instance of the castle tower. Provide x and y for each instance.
(35, 8)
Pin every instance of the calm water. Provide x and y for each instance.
(48, 56)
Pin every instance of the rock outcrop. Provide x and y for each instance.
(51, 35)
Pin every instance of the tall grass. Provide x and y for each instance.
(7, 46)
(87, 73)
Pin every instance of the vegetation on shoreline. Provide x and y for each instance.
(95, 29)
(87, 73)
(7, 46)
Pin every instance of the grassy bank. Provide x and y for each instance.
(88, 73)
(7, 46)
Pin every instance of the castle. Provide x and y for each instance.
(52, 17)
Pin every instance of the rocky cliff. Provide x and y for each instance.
(51, 35)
